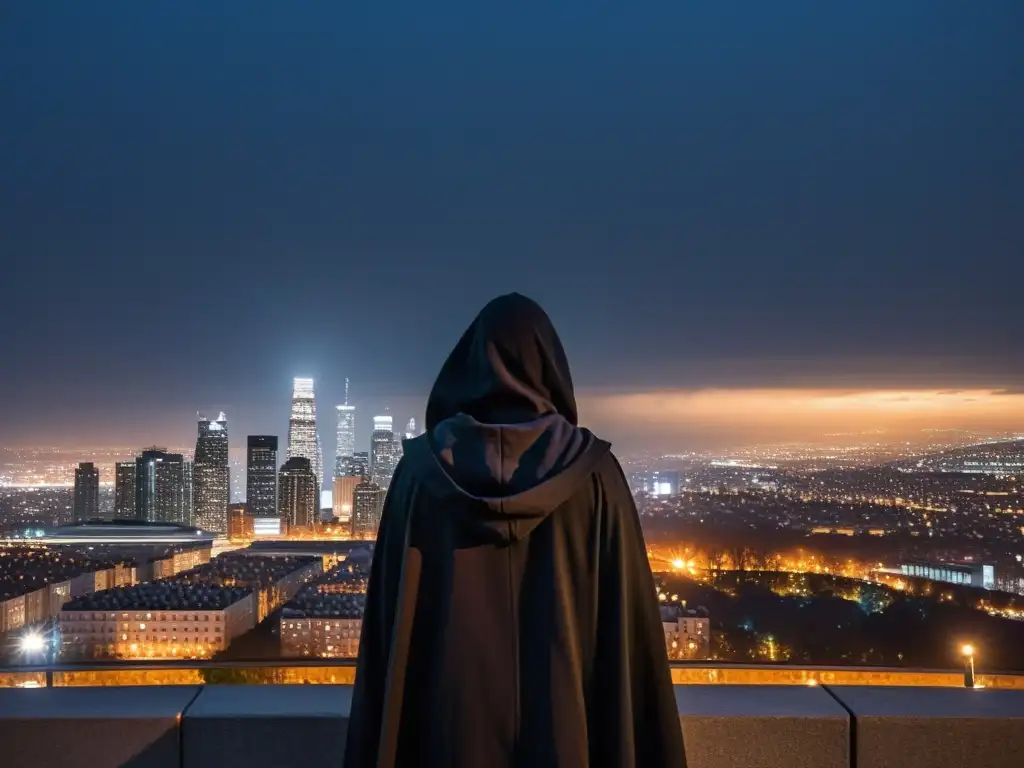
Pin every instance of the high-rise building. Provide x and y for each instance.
(343, 499)
(240, 522)
(160, 486)
(261, 476)
(298, 500)
(303, 439)
(210, 476)
(382, 451)
(87, 492)
(188, 473)
(124, 489)
(410, 429)
(346, 434)
(356, 465)
(366, 510)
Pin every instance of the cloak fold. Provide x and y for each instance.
(511, 616)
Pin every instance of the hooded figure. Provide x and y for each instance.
(511, 617)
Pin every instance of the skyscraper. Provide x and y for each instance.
(303, 439)
(299, 501)
(160, 486)
(346, 434)
(188, 512)
(261, 476)
(87, 492)
(366, 510)
(210, 476)
(382, 451)
(343, 499)
(124, 489)
(356, 465)
(410, 429)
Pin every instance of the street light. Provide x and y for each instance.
(968, 653)
(32, 644)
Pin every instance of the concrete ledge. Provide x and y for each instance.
(726, 726)
(95, 727)
(758, 726)
(936, 727)
(265, 726)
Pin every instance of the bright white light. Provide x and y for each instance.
(302, 388)
(267, 526)
(33, 643)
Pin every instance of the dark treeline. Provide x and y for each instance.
(819, 619)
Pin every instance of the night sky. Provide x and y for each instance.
(200, 200)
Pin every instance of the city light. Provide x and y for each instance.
(967, 650)
(678, 564)
(33, 643)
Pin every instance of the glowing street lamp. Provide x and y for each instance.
(33, 644)
(968, 653)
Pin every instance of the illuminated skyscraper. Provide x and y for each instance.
(410, 429)
(160, 487)
(382, 451)
(299, 501)
(346, 434)
(261, 476)
(303, 439)
(366, 510)
(356, 465)
(188, 473)
(124, 489)
(87, 492)
(210, 476)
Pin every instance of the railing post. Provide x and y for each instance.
(968, 654)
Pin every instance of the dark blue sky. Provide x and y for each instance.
(201, 199)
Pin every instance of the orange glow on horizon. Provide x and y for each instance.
(821, 409)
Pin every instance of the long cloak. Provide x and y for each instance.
(511, 616)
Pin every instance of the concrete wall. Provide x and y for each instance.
(732, 726)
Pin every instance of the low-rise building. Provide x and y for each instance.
(325, 618)
(156, 621)
(687, 632)
(195, 614)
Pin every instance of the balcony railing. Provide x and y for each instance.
(764, 717)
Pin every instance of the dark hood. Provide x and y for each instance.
(501, 423)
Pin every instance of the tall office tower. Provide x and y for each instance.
(124, 489)
(356, 465)
(368, 503)
(346, 434)
(303, 439)
(343, 498)
(299, 501)
(261, 476)
(382, 451)
(410, 429)
(210, 476)
(160, 486)
(87, 492)
(188, 513)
